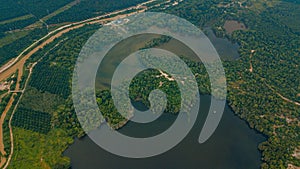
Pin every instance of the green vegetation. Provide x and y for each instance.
(43, 7)
(3, 92)
(52, 79)
(270, 44)
(7, 6)
(90, 8)
(32, 120)
(4, 101)
(12, 50)
(157, 41)
(109, 112)
(6, 132)
(286, 13)
(43, 101)
(14, 9)
(44, 114)
(35, 150)
(18, 24)
(19, 14)
(23, 78)
(17, 19)
(12, 37)
(13, 80)
(140, 89)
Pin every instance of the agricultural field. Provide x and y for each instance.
(23, 22)
(263, 83)
(32, 120)
(45, 112)
(18, 44)
(52, 79)
(19, 14)
(90, 8)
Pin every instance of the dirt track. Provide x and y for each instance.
(18, 64)
(7, 73)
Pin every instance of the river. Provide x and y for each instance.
(232, 146)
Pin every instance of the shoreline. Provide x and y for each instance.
(228, 116)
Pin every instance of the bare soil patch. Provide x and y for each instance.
(231, 26)
(291, 166)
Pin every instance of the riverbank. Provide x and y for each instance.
(233, 145)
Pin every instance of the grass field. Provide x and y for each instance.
(12, 37)
(16, 19)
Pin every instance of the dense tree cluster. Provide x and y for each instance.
(20, 24)
(14, 9)
(270, 44)
(6, 10)
(32, 120)
(52, 79)
(108, 110)
(12, 50)
(54, 72)
(42, 8)
(19, 14)
(90, 8)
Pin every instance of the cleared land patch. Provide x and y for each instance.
(231, 26)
